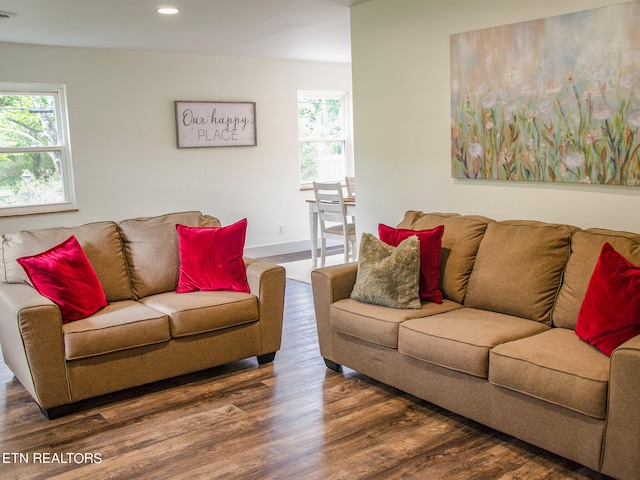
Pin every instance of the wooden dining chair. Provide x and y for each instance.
(334, 223)
(350, 182)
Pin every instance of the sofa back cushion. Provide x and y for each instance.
(151, 249)
(585, 250)
(100, 241)
(460, 241)
(518, 268)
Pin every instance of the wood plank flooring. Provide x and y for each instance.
(292, 419)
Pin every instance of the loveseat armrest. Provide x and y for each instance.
(267, 281)
(622, 436)
(330, 284)
(33, 344)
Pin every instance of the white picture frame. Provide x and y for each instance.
(215, 124)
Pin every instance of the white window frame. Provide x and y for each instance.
(346, 138)
(63, 148)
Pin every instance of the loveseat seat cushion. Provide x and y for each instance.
(518, 268)
(204, 311)
(460, 242)
(462, 339)
(377, 324)
(151, 248)
(555, 366)
(585, 250)
(100, 241)
(119, 326)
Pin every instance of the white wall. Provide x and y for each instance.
(400, 51)
(122, 121)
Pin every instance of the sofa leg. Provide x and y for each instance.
(57, 412)
(332, 365)
(267, 358)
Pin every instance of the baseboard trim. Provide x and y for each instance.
(283, 248)
(277, 249)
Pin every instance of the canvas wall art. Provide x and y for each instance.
(549, 100)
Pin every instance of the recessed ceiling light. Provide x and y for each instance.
(168, 10)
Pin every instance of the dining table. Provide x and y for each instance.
(350, 206)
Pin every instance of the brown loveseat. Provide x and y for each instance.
(147, 332)
(501, 348)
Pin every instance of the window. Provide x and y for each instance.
(35, 156)
(324, 135)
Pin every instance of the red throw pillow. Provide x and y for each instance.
(610, 311)
(64, 275)
(430, 245)
(211, 258)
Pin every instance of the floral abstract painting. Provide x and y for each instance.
(550, 100)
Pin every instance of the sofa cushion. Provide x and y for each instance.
(65, 276)
(211, 258)
(204, 311)
(555, 366)
(430, 246)
(610, 312)
(119, 326)
(460, 241)
(151, 248)
(387, 275)
(518, 269)
(462, 339)
(586, 246)
(100, 241)
(377, 324)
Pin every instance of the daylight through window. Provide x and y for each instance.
(324, 134)
(35, 157)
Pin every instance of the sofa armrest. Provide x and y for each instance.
(329, 285)
(267, 281)
(622, 437)
(32, 343)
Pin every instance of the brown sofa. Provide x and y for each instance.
(501, 349)
(147, 332)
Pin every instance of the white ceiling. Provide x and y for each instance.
(315, 30)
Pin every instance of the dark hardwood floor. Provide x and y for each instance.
(292, 419)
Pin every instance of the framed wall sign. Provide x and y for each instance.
(216, 124)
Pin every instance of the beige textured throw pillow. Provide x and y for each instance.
(388, 276)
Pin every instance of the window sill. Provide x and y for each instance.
(39, 210)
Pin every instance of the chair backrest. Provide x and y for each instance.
(350, 182)
(330, 202)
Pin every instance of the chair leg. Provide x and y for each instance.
(323, 251)
(352, 250)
